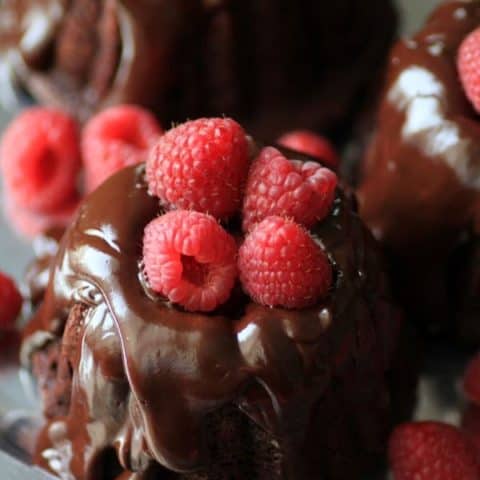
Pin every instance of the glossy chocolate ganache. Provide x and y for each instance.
(275, 65)
(420, 187)
(134, 384)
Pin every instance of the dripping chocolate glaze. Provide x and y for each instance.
(146, 375)
(419, 191)
(422, 174)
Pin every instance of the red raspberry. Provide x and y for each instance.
(10, 302)
(40, 159)
(431, 451)
(116, 138)
(30, 224)
(468, 64)
(190, 259)
(311, 144)
(471, 380)
(281, 265)
(303, 191)
(201, 165)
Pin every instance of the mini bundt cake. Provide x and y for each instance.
(148, 370)
(418, 191)
(274, 65)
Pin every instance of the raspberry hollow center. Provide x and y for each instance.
(190, 259)
(194, 272)
(44, 168)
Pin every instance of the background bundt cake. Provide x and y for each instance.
(274, 65)
(418, 190)
(135, 386)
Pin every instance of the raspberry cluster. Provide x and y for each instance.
(209, 176)
(44, 153)
(209, 171)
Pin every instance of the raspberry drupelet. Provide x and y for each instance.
(204, 352)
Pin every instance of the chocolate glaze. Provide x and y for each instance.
(146, 375)
(273, 65)
(419, 191)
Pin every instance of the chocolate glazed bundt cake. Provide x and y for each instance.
(419, 188)
(137, 387)
(275, 65)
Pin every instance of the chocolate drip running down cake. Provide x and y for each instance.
(274, 65)
(419, 191)
(131, 383)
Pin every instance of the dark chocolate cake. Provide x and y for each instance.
(419, 191)
(272, 65)
(134, 387)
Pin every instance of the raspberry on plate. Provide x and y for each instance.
(200, 165)
(190, 259)
(116, 138)
(303, 191)
(310, 143)
(432, 451)
(10, 302)
(40, 159)
(281, 265)
(468, 64)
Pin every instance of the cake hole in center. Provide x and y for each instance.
(193, 271)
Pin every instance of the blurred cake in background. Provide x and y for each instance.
(419, 189)
(272, 65)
